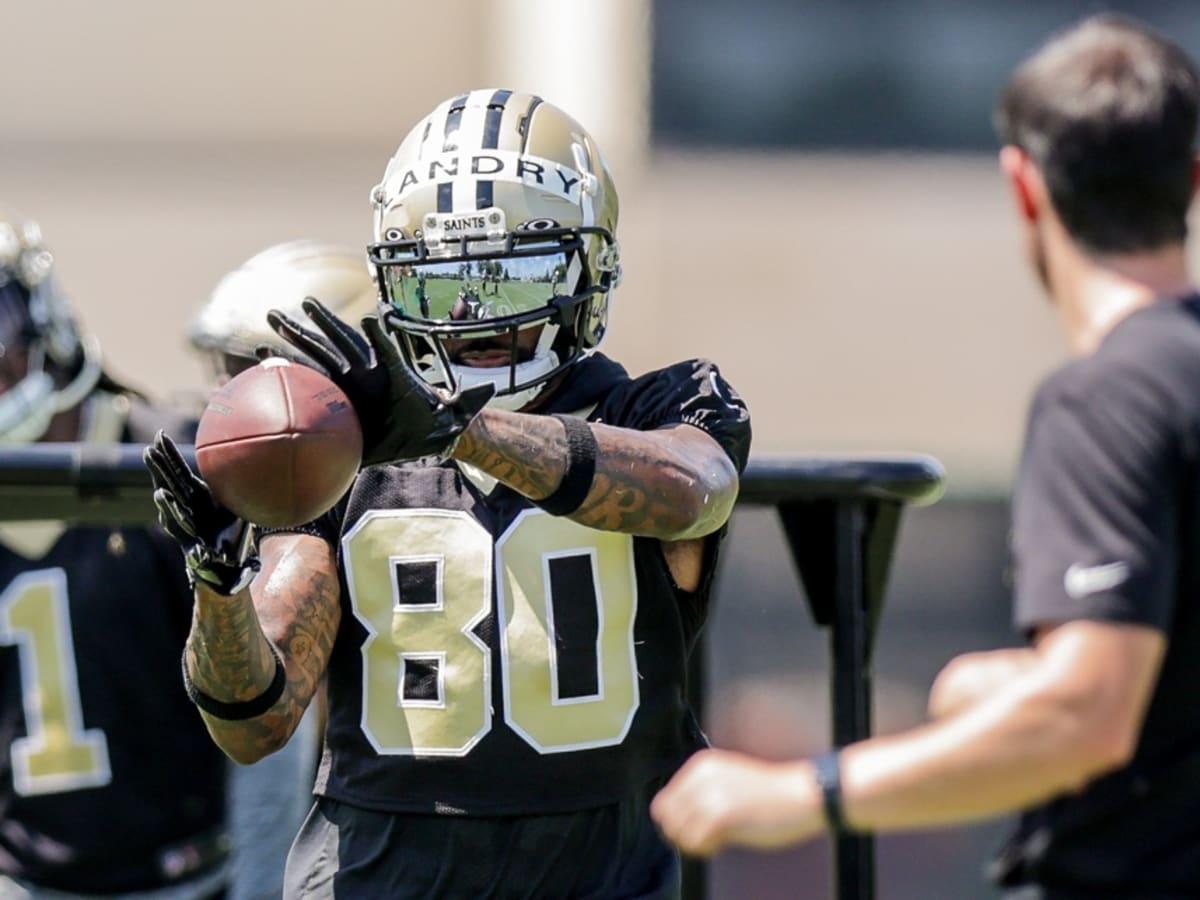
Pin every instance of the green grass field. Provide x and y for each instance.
(510, 297)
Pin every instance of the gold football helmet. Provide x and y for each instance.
(496, 214)
(233, 323)
(47, 363)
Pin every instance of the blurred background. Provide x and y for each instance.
(809, 197)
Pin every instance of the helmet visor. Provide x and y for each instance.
(474, 289)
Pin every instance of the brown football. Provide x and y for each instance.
(279, 444)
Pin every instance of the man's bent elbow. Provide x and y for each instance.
(1112, 747)
(707, 500)
(244, 756)
(972, 677)
(1091, 739)
(246, 749)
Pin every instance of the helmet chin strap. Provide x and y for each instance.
(28, 407)
(470, 376)
(85, 382)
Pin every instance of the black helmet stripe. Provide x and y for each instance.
(485, 190)
(453, 117)
(495, 112)
(533, 104)
(484, 194)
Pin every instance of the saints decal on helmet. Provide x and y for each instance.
(496, 214)
(47, 365)
(233, 323)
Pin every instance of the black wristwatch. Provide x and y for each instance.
(828, 767)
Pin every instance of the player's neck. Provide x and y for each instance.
(1094, 293)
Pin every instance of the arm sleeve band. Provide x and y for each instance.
(581, 468)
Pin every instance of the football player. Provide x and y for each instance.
(108, 783)
(505, 601)
(268, 800)
(231, 328)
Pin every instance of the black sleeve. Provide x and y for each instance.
(688, 393)
(1096, 507)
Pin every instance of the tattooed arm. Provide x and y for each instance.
(293, 605)
(674, 483)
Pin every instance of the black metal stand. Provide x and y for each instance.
(77, 483)
(841, 516)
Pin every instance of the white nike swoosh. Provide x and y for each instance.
(1083, 581)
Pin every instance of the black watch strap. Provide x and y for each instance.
(828, 768)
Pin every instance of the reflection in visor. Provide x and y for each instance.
(465, 290)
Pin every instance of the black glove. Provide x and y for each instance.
(402, 417)
(209, 534)
(362, 348)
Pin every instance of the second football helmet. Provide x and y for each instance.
(496, 214)
(233, 323)
(58, 364)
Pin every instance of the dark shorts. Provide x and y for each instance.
(612, 852)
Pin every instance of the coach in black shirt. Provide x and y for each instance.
(1094, 728)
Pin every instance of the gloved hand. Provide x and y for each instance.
(209, 534)
(402, 416)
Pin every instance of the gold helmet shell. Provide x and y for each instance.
(233, 322)
(497, 213)
(38, 330)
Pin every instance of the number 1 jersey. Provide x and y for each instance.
(108, 780)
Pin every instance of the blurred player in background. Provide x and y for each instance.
(108, 782)
(1094, 729)
(505, 601)
(270, 798)
(232, 326)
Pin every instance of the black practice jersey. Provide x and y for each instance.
(1106, 519)
(495, 659)
(105, 766)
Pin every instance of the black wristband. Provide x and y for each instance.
(581, 468)
(828, 768)
(243, 709)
